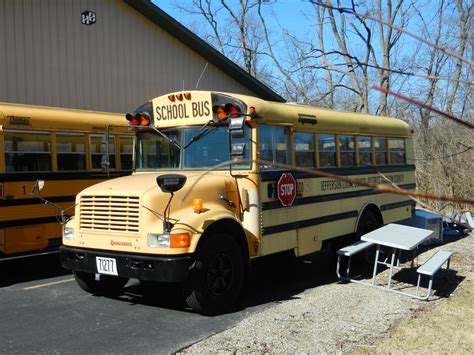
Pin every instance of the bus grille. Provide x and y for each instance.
(110, 213)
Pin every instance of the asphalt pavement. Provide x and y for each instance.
(44, 311)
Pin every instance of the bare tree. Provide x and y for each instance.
(465, 13)
(234, 31)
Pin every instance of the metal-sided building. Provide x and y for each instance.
(106, 55)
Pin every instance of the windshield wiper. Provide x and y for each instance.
(202, 132)
(167, 138)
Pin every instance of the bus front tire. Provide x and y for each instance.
(216, 277)
(107, 285)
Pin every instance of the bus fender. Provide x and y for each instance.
(226, 223)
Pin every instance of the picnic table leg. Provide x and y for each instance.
(337, 267)
(375, 264)
(399, 255)
(447, 268)
(392, 261)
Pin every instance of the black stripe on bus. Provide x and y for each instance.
(70, 175)
(394, 205)
(308, 222)
(274, 175)
(28, 222)
(36, 201)
(329, 197)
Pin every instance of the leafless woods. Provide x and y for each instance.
(329, 53)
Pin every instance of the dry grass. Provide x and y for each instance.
(443, 328)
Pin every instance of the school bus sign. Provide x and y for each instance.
(286, 189)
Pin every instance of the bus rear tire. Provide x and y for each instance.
(107, 285)
(368, 222)
(216, 277)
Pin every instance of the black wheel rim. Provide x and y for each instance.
(220, 274)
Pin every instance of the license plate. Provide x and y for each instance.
(106, 265)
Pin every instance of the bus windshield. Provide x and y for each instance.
(203, 148)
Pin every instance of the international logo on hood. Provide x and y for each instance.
(124, 244)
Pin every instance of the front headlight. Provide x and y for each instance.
(158, 240)
(68, 233)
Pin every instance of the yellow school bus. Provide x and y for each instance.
(187, 216)
(63, 147)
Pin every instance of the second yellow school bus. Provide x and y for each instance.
(65, 148)
(173, 220)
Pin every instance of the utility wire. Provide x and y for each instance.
(405, 98)
(422, 105)
(401, 72)
(316, 172)
(398, 28)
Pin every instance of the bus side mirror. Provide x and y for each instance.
(237, 150)
(39, 185)
(171, 182)
(104, 148)
(236, 127)
(104, 164)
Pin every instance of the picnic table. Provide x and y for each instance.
(397, 238)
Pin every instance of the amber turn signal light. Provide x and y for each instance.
(181, 240)
(197, 205)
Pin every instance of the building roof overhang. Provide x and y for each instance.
(177, 30)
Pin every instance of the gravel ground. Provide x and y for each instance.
(337, 317)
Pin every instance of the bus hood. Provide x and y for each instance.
(144, 186)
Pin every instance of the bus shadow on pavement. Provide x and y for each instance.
(282, 277)
(154, 294)
(273, 279)
(30, 269)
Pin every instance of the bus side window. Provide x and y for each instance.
(396, 148)
(380, 144)
(304, 149)
(27, 151)
(97, 151)
(327, 150)
(347, 150)
(364, 146)
(71, 151)
(273, 144)
(126, 152)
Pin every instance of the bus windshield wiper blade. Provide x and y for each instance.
(202, 132)
(167, 138)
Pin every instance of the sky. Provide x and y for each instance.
(293, 10)
(409, 56)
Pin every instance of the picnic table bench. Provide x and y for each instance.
(431, 267)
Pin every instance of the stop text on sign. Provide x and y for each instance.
(286, 189)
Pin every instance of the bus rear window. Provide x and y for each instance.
(126, 152)
(273, 144)
(364, 146)
(380, 144)
(27, 151)
(304, 149)
(71, 151)
(347, 150)
(98, 150)
(396, 148)
(327, 150)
